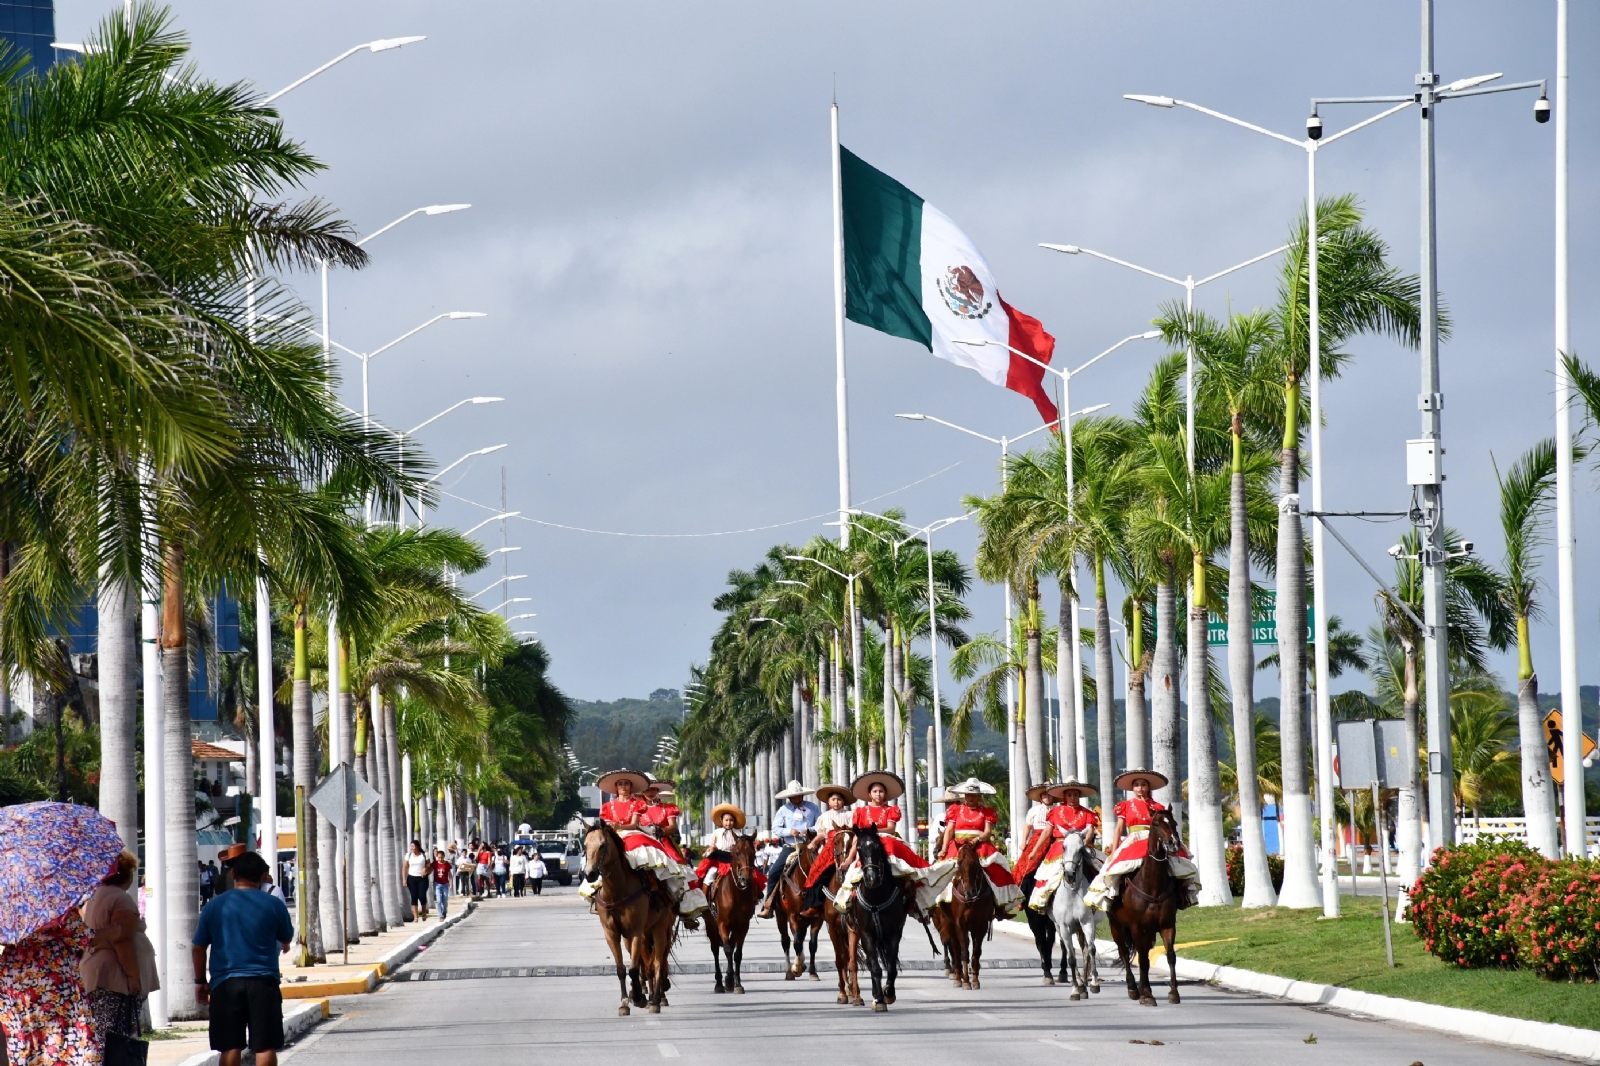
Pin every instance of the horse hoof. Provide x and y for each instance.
(1172, 997)
(879, 1008)
(738, 990)
(1049, 980)
(888, 997)
(1147, 1001)
(719, 990)
(975, 985)
(623, 1011)
(1133, 994)
(858, 1002)
(842, 998)
(789, 975)
(655, 1008)
(814, 977)
(1074, 997)
(1095, 988)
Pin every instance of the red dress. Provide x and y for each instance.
(969, 822)
(619, 813)
(1066, 819)
(822, 865)
(661, 816)
(1136, 815)
(885, 819)
(1033, 851)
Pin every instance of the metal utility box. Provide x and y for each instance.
(1423, 462)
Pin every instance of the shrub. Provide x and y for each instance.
(1236, 870)
(1460, 906)
(1555, 921)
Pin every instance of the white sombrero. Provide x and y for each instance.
(972, 787)
(795, 789)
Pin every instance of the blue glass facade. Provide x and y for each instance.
(30, 26)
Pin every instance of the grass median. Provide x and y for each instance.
(1348, 952)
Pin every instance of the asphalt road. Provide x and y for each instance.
(477, 996)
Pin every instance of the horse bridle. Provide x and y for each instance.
(982, 884)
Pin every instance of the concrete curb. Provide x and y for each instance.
(296, 1022)
(403, 953)
(1581, 1044)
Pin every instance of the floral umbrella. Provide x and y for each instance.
(52, 855)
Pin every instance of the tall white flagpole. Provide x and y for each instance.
(841, 400)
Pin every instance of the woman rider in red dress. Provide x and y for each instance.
(1069, 816)
(974, 819)
(661, 818)
(835, 817)
(642, 851)
(878, 788)
(1130, 843)
(1038, 826)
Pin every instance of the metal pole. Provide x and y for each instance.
(1383, 879)
(1319, 601)
(300, 905)
(1080, 743)
(841, 400)
(1436, 665)
(936, 752)
(1571, 704)
(1350, 800)
(267, 802)
(155, 803)
(1012, 732)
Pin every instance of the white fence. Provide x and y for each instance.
(1468, 830)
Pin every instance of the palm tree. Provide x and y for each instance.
(1359, 292)
(988, 662)
(1482, 727)
(1236, 371)
(1525, 496)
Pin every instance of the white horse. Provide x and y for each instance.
(1073, 916)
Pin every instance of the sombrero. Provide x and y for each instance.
(727, 808)
(660, 784)
(608, 782)
(660, 788)
(891, 782)
(824, 791)
(1124, 780)
(1039, 791)
(972, 787)
(795, 789)
(1083, 787)
(232, 852)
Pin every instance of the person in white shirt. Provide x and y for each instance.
(519, 873)
(537, 871)
(414, 868)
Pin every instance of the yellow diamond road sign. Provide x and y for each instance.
(1554, 742)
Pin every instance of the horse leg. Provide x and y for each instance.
(875, 967)
(816, 928)
(1146, 997)
(1069, 959)
(614, 942)
(1124, 941)
(1168, 935)
(735, 964)
(892, 969)
(716, 957)
(975, 956)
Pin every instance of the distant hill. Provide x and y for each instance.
(624, 732)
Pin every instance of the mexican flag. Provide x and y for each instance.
(910, 272)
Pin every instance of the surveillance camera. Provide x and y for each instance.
(1314, 127)
(1394, 551)
(1541, 109)
(1466, 547)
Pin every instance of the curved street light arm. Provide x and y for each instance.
(1073, 249)
(382, 45)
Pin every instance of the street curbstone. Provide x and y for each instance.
(296, 1023)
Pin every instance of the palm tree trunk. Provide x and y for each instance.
(1408, 820)
(1164, 734)
(361, 866)
(1068, 763)
(1205, 791)
(1258, 890)
(1105, 696)
(1300, 886)
(891, 702)
(1538, 803)
(183, 878)
(401, 805)
(119, 708)
(1033, 694)
(388, 866)
(1137, 674)
(305, 777)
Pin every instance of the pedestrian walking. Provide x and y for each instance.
(519, 873)
(481, 870)
(43, 1009)
(208, 882)
(537, 872)
(119, 969)
(414, 868)
(498, 870)
(466, 864)
(240, 930)
(442, 870)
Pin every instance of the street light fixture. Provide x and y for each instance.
(492, 518)
(502, 551)
(507, 603)
(382, 45)
(494, 583)
(520, 617)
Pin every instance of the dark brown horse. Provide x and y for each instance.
(733, 904)
(875, 919)
(1146, 905)
(968, 916)
(844, 853)
(637, 914)
(795, 920)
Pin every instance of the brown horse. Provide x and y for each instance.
(733, 904)
(844, 853)
(795, 921)
(1147, 905)
(636, 912)
(968, 916)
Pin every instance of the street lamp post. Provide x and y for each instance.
(855, 642)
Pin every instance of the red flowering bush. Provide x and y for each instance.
(1236, 870)
(1460, 906)
(1556, 921)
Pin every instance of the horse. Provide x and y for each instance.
(1148, 904)
(968, 916)
(1072, 917)
(875, 920)
(1044, 937)
(733, 903)
(794, 920)
(635, 911)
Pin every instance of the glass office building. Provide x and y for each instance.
(29, 26)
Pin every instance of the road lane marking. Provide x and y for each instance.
(986, 1016)
(667, 1051)
(925, 992)
(1061, 1044)
(652, 1021)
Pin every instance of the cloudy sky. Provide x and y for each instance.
(650, 237)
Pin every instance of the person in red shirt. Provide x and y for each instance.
(975, 820)
(836, 818)
(441, 872)
(626, 814)
(1036, 822)
(879, 788)
(660, 818)
(1068, 817)
(1130, 843)
(718, 859)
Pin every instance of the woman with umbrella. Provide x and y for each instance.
(52, 857)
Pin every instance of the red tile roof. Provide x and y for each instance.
(202, 750)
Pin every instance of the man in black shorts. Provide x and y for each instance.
(242, 929)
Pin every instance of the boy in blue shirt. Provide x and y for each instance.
(242, 928)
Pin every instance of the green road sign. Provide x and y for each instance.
(1263, 621)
